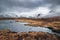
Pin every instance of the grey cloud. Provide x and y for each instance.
(9, 4)
(26, 5)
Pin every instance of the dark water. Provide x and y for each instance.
(20, 27)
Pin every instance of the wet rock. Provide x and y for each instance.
(56, 31)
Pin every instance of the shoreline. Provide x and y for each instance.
(48, 23)
(51, 23)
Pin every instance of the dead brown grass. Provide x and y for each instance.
(9, 35)
(42, 22)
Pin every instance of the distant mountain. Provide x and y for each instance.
(37, 15)
(8, 16)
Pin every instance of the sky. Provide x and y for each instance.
(29, 8)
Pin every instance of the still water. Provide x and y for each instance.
(20, 27)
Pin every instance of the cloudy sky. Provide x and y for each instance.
(29, 8)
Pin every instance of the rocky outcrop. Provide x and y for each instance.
(9, 35)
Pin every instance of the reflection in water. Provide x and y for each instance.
(20, 27)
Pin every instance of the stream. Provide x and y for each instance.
(20, 27)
